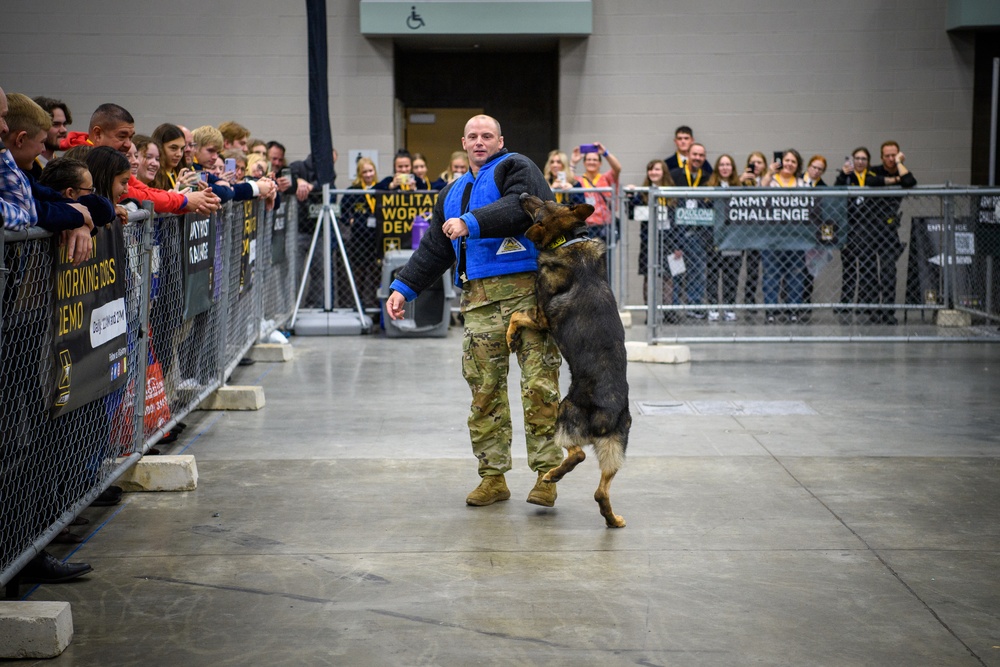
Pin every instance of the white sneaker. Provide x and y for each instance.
(713, 316)
(730, 316)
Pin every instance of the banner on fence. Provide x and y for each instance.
(279, 223)
(199, 264)
(394, 214)
(90, 338)
(780, 222)
(248, 253)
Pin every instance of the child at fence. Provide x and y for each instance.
(419, 167)
(724, 264)
(208, 144)
(173, 175)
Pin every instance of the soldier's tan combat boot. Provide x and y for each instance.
(543, 493)
(491, 489)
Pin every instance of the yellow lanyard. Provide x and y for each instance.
(782, 183)
(371, 201)
(173, 179)
(687, 172)
(861, 177)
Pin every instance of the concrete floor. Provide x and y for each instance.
(853, 520)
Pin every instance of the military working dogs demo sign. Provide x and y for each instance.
(394, 214)
(89, 331)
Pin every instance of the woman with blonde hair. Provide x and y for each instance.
(750, 178)
(559, 176)
(458, 164)
(358, 216)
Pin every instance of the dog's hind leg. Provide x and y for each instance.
(574, 457)
(611, 457)
(574, 453)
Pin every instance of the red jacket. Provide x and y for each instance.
(74, 139)
(164, 201)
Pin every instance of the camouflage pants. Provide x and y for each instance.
(488, 304)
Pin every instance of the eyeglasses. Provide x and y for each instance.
(861, 158)
(87, 189)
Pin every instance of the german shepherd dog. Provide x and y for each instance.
(576, 305)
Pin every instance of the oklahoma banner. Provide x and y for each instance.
(89, 331)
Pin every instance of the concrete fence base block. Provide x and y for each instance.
(161, 473)
(626, 318)
(35, 629)
(657, 354)
(953, 318)
(234, 397)
(267, 352)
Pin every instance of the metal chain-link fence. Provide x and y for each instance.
(780, 264)
(197, 295)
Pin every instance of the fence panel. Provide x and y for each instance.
(780, 264)
(52, 468)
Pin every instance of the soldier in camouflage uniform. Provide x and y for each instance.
(478, 220)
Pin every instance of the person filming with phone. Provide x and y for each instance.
(600, 222)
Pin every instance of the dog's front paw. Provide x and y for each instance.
(513, 337)
(615, 521)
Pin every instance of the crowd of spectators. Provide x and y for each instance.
(101, 173)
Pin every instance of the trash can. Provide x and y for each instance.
(428, 315)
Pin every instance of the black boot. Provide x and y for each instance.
(47, 569)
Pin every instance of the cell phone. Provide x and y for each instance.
(230, 164)
(285, 173)
(588, 148)
(203, 176)
(778, 155)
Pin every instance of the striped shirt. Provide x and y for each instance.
(16, 203)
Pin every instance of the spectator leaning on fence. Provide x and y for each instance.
(173, 174)
(113, 126)
(305, 172)
(657, 174)
(27, 124)
(208, 143)
(17, 205)
(234, 135)
(61, 118)
(149, 158)
(287, 184)
(750, 178)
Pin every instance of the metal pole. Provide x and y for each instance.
(993, 122)
(654, 279)
(305, 271)
(142, 342)
(327, 257)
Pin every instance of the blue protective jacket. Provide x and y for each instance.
(496, 244)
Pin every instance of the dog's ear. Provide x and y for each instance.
(583, 211)
(535, 233)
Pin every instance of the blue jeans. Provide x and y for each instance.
(693, 244)
(783, 264)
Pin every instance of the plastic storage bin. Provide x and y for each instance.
(428, 315)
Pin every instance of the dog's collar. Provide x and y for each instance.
(579, 234)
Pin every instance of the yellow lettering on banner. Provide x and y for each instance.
(73, 282)
(70, 318)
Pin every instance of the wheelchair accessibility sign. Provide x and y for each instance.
(414, 21)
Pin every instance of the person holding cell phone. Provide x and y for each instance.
(402, 177)
(782, 265)
(560, 178)
(208, 144)
(599, 223)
